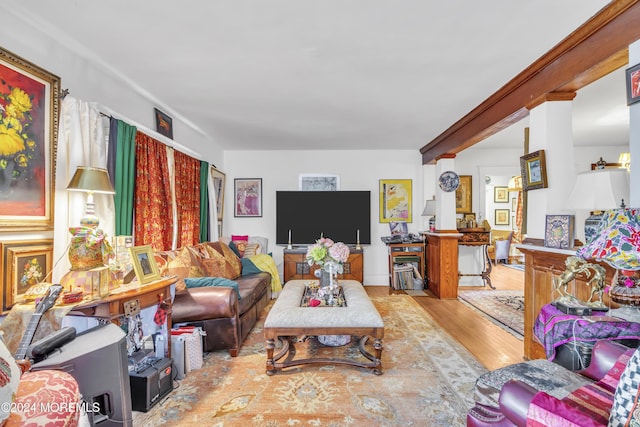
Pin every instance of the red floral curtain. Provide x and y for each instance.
(187, 171)
(153, 216)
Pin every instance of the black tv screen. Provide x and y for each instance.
(337, 215)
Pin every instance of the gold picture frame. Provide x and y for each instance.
(463, 195)
(501, 194)
(502, 216)
(144, 264)
(395, 200)
(533, 168)
(33, 165)
(28, 266)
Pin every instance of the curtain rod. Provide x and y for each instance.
(168, 141)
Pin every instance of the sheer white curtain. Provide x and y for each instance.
(214, 235)
(82, 141)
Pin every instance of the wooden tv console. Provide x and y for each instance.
(295, 266)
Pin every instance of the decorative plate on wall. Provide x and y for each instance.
(449, 181)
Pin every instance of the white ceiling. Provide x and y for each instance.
(331, 74)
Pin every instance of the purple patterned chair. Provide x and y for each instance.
(545, 397)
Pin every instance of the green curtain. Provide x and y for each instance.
(125, 178)
(204, 201)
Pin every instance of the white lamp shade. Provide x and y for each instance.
(600, 190)
(429, 208)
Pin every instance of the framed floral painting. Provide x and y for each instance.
(28, 266)
(248, 197)
(29, 110)
(395, 200)
(8, 250)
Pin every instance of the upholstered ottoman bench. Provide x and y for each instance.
(287, 321)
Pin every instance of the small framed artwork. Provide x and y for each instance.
(463, 195)
(470, 217)
(218, 179)
(398, 228)
(514, 204)
(28, 266)
(164, 124)
(502, 216)
(559, 231)
(534, 171)
(501, 194)
(29, 116)
(318, 182)
(248, 197)
(633, 84)
(144, 264)
(395, 200)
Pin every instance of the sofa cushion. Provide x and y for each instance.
(625, 401)
(233, 265)
(241, 243)
(198, 282)
(248, 267)
(252, 288)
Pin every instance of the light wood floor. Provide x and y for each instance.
(493, 346)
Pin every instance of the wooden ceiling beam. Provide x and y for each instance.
(594, 50)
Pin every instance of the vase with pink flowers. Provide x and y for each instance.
(330, 257)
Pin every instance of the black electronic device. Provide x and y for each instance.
(574, 308)
(41, 348)
(342, 216)
(150, 385)
(97, 359)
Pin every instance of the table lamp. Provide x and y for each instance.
(430, 210)
(597, 191)
(617, 243)
(91, 180)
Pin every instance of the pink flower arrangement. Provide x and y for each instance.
(327, 253)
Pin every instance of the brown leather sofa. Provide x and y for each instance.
(225, 319)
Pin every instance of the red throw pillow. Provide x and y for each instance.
(241, 243)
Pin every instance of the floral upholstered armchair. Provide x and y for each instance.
(47, 397)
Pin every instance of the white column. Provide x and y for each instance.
(551, 130)
(634, 136)
(445, 201)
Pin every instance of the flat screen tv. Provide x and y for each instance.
(338, 215)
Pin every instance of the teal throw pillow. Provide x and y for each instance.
(248, 267)
(199, 282)
(235, 249)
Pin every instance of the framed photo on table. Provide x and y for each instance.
(29, 100)
(534, 171)
(247, 197)
(144, 264)
(559, 231)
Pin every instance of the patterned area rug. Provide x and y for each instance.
(428, 380)
(505, 308)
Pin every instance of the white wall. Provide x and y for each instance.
(358, 170)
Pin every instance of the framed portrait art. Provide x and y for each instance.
(29, 101)
(463, 195)
(633, 84)
(534, 171)
(501, 195)
(248, 197)
(502, 216)
(144, 264)
(395, 200)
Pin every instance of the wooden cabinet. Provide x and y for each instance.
(541, 265)
(400, 253)
(295, 266)
(442, 264)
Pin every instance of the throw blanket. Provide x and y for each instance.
(266, 263)
(588, 406)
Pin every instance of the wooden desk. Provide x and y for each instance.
(112, 309)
